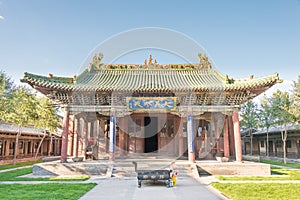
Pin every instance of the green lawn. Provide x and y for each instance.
(292, 165)
(21, 164)
(13, 176)
(44, 191)
(286, 175)
(264, 191)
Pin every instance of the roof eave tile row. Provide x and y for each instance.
(148, 81)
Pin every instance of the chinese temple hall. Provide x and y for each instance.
(182, 110)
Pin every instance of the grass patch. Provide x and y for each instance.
(21, 164)
(44, 191)
(272, 162)
(287, 175)
(13, 176)
(254, 191)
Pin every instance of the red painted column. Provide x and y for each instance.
(180, 132)
(64, 146)
(84, 139)
(226, 138)
(7, 143)
(231, 136)
(75, 139)
(237, 137)
(216, 133)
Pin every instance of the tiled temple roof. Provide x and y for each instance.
(149, 80)
(4, 127)
(97, 83)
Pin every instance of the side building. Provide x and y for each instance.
(28, 143)
(270, 143)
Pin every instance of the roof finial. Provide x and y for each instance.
(150, 60)
(204, 62)
(155, 63)
(97, 62)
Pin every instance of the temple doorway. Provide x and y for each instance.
(151, 139)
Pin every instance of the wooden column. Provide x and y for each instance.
(237, 137)
(3, 148)
(112, 126)
(75, 139)
(226, 138)
(180, 132)
(122, 137)
(31, 146)
(190, 133)
(231, 136)
(84, 137)
(216, 134)
(70, 136)
(64, 147)
(41, 149)
(25, 147)
(7, 143)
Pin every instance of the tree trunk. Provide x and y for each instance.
(16, 145)
(267, 145)
(40, 144)
(50, 148)
(284, 136)
(251, 142)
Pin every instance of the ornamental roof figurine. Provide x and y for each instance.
(96, 63)
(204, 62)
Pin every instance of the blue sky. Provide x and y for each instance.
(242, 37)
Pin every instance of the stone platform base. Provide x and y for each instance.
(244, 168)
(69, 169)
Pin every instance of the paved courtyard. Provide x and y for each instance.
(114, 188)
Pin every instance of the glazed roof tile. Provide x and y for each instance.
(144, 80)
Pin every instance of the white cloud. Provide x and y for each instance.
(1, 17)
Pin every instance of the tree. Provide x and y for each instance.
(296, 98)
(6, 86)
(266, 117)
(282, 106)
(249, 115)
(20, 110)
(47, 119)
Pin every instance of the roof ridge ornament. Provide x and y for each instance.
(204, 62)
(96, 64)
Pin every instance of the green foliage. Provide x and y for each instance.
(250, 118)
(296, 98)
(266, 115)
(282, 108)
(249, 115)
(6, 84)
(47, 117)
(14, 176)
(21, 164)
(44, 191)
(21, 107)
(256, 191)
(287, 175)
(272, 162)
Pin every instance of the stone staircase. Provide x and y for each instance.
(121, 167)
(185, 169)
(126, 168)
